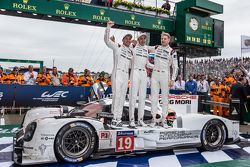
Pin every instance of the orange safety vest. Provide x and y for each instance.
(3, 77)
(69, 80)
(216, 90)
(227, 90)
(231, 80)
(104, 80)
(12, 78)
(85, 80)
(43, 79)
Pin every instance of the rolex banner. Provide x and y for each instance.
(90, 13)
(245, 43)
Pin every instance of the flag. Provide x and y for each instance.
(245, 43)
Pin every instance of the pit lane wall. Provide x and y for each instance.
(35, 96)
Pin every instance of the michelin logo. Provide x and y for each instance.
(52, 97)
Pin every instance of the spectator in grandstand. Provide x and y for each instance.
(55, 79)
(239, 92)
(44, 77)
(166, 5)
(247, 73)
(3, 76)
(15, 77)
(30, 76)
(179, 84)
(85, 79)
(209, 79)
(69, 78)
(191, 86)
(217, 67)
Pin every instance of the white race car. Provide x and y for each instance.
(75, 134)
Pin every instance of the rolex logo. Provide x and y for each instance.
(66, 6)
(102, 12)
(25, 1)
(132, 17)
(159, 22)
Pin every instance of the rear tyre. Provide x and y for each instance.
(75, 142)
(213, 135)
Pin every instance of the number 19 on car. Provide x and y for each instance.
(124, 141)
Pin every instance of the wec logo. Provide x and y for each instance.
(56, 94)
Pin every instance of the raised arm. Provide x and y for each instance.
(107, 40)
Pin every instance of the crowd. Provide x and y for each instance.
(215, 67)
(52, 77)
(221, 80)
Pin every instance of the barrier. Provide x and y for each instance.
(6, 94)
(35, 95)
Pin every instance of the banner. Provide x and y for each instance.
(183, 104)
(90, 13)
(6, 95)
(245, 43)
(35, 95)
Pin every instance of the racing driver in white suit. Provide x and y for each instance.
(138, 80)
(165, 57)
(122, 62)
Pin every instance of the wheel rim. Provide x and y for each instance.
(75, 142)
(213, 135)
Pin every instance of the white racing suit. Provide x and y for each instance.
(122, 61)
(138, 80)
(165, 57)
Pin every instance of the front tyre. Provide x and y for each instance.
(213, 135)
(75, 142)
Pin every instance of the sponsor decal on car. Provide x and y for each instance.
(47, 137)
(42, 148)
(175, 135)
(104, 135)
(124, 141)
(148, 131)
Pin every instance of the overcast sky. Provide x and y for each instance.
(81, 46)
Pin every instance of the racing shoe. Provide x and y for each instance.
(141, 123)
(132, 124)
(116, 124)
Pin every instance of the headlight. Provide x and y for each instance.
(29, 131)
